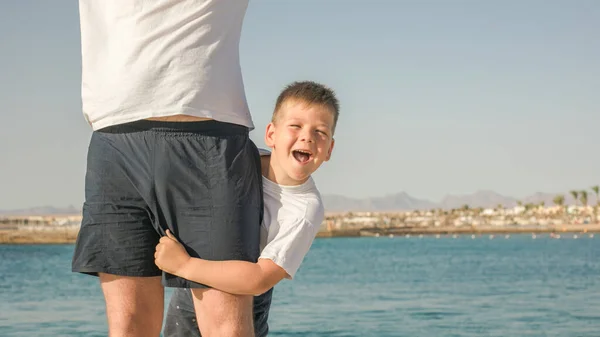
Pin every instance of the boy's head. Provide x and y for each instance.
(301, 131)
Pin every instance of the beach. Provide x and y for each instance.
(68, 235)
(56, 235)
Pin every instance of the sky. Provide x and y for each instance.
(437, 97)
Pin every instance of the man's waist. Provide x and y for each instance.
(179, 118)
(101, 121)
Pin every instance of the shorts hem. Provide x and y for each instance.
(185, 284)
(93, 271)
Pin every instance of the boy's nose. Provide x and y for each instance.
(307, 137)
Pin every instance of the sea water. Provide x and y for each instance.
(400, 286)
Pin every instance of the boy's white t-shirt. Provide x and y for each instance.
(157, 58)
(292, 218)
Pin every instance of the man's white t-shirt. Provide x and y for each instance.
(292, 218)
(157, 58)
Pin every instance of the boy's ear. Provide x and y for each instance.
(330, 149)
(270, 135)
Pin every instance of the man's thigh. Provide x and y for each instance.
(209, 192)
(134, 305)
(209, 311)
(223, 314)
(181, 316)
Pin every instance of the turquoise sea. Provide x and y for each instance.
(516, 286)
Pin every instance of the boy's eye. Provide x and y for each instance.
(295, 125)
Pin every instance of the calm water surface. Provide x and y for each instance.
(359, 287)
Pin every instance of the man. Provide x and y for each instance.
(163, 91)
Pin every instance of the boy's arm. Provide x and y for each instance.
(235, 277)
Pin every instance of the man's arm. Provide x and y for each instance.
(235, 277)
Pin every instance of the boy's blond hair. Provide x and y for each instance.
(310, 93)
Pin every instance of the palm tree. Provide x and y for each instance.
(529, 206)
(575, 195)
(596, 190)
(583, 196)
(559, 200)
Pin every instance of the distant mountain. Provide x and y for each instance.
(395, 202)
(44, 210)
(477, 199)
(548, 198)
(402, 201)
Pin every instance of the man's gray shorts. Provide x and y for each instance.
(181, 317)
(201, 180)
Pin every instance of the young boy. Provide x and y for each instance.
(301, 138)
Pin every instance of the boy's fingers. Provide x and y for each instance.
(171, 236)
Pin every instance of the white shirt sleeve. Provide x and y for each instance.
(264, 152)
(291, 243)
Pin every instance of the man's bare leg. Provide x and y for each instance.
(134, 305)
(221, 314)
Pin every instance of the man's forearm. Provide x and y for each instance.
(235, 277)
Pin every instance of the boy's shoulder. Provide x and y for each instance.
(263, 152)
(293, 202)
(303, 202)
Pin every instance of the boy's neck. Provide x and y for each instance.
(268, 165)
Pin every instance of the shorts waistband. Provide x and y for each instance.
(210, 127)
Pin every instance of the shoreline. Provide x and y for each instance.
(38, 237)
(69, 235)
(428, 231)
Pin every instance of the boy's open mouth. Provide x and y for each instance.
(301, 155)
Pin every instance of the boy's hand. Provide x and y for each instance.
(170, 255)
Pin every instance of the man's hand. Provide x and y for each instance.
(170, 255)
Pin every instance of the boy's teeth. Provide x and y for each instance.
(301, 156)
